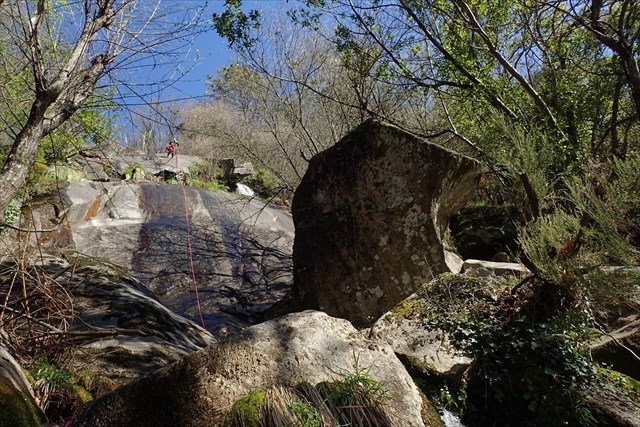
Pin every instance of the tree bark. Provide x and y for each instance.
(55, 101)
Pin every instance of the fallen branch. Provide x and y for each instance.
(22, 230)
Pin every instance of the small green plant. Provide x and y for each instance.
(130, 171)
(204, 172)
(205, 175)
(246, 410)
(304, 412)
(358, 382)
(355, 398)
(207, 185)
(11, 213)
(49, 380)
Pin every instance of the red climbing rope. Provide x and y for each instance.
(190, 251)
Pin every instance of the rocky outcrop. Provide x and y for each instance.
(117, 328)
(302, 347)
(241, 247)
(414, 328)
(371, 214)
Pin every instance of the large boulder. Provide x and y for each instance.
(241, 247)
(371, 214)
(308, 347)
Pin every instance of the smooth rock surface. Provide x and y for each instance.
(118, 329)
(241, 248)
(370, 215)
(496, 271)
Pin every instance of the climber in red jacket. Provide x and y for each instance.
(171, 148)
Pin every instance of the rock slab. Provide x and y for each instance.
(370, 216)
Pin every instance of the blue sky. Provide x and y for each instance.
(212, 51)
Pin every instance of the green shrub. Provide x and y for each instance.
(205, 175)
(263, 182)
(526, 368)
(204, 172)
(208, 185)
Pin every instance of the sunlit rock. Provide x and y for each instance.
(371, 214)
(302, 347)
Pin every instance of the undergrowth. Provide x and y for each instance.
(353, 398)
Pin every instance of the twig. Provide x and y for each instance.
(532, 197)
(615, 340)
(22, 230)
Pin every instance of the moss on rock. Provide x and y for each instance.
(16, 408)
(246, 410)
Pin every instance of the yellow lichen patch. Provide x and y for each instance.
(93, 209)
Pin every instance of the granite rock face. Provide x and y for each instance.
(371, 215)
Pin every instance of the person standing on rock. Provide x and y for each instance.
(172, 148)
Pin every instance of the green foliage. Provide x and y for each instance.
(594, 224)
(39, 181)
(358, 382)
(305, 412)
(449, 398)
(50, 381)
(86, 126)
(528, 369)
(354, 398)
(246, 410)
(263, 182)
(204, 171)
(208, 185)
(205, 175)
(130, 171)
(236, 25)
(11, 213)
(48, 377)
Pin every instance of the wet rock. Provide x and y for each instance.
(302, 347)
(241, 248)
(371, 214)
(118, 328)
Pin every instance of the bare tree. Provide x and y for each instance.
(69, 52)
